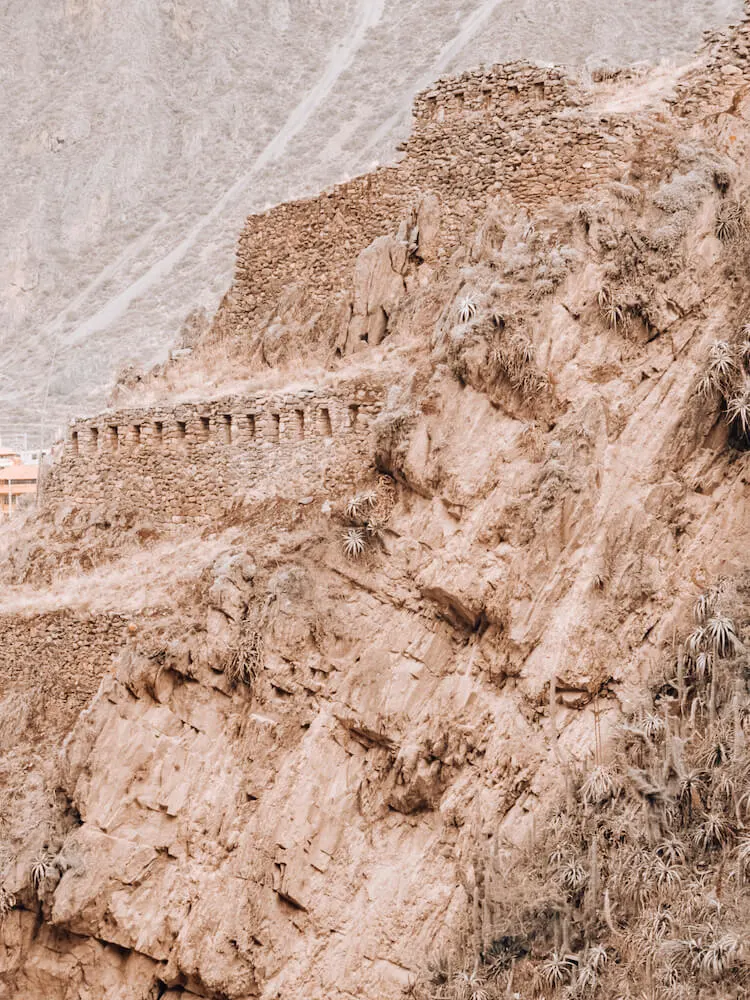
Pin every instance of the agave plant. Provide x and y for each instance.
(41, 868)
(572, 876)
(715, 831)
(743, 857)
(696, 641)
(362, 502)
(704, 606)
(470, 986)
(692, 791)
(721, 363)
(600, 785)
(720, 633)
(467, 309)
(718, 956)
(704, 665)
(354, 543)
(738, 410)
(672, 851)
(559, 969)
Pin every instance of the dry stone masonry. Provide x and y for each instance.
(194, 459)
(528, 131)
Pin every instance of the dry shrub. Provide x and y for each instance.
(637, 883)
(246, 660)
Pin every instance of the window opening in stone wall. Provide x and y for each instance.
(275, 425)
(114, 436)
(431, 107)
(538, 91)
(226, 429)
(251, 426)
(460, 100)
(158, 432)
(136, 435)
(299, 424)
(181, 430)
(95, 439)
(74, 442)
(325, 423)
(486, 99)
(205, 428)
(353, 415)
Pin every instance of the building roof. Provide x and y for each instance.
(18, 472)
(8, 451)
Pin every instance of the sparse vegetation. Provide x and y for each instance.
(354, 541)
(637, 888)
(246, 660)
(467, 309)
(730, 220)
(7, 902)
(726, 376)
(614, 314)
(42, 867)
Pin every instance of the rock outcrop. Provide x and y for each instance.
(276, 738)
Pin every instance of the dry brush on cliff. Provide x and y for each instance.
(637, 884)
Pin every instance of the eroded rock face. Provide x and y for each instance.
(281, 784)
(378, 288)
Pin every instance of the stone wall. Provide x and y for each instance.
(56, 660)
(523, 130)
(194, 460)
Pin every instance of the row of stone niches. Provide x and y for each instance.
(284, 426)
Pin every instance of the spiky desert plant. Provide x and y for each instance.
(354, 543)
(704, 606)
(704, 665)
(559, 969)
(744, 347)
(470, 986)
(653, 726)
(614, 314)
(696, 641)
(717, 956)
(671, 850)
(716, 831)
(41, 868)
(715, 750)
(7, 902)
(467, 309)
(600, 785)
(730, 220)
(572, 876)
(743, 858)
(738, 410)
(358, 505)
(721, 365)
(721, 634)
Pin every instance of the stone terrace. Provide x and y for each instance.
(194, 460)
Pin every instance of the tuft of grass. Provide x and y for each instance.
(246, 660)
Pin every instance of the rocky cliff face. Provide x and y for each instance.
(316, 708)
